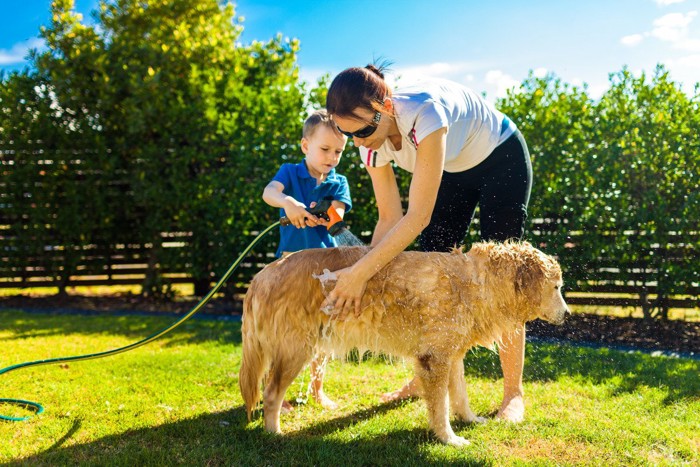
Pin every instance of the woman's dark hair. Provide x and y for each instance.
(357, 87)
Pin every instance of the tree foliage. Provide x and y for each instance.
(615, 190)
(156, 121)
(176, 121)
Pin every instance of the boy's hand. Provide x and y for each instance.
(319, 220)
(300, 217)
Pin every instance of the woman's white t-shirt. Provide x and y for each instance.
(474, 126)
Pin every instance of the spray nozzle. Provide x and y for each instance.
(325, 210)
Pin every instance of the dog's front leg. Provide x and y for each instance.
(459, 401)
(434, 376)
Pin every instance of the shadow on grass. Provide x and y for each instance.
(226, 439)
(25, 325)
(624, 372)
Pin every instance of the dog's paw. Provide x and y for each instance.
(286, 408)
(455, 440)
(470, 417)
(512, 410)
(477, 420)
(325, 402)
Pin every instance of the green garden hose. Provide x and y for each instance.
(38, 408)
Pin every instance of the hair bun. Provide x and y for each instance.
(375, 70)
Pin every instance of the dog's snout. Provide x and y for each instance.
(562, 316)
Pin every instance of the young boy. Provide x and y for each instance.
(302, 185)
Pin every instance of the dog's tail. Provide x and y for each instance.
(253, 363)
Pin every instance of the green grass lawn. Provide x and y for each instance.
(176, 401)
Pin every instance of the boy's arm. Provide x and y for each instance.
(341, 197)
(296, 212)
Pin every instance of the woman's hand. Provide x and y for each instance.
(347, 294)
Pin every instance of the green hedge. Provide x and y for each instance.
(157, 120)
(616, 179)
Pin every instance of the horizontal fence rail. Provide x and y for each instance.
(608, 283)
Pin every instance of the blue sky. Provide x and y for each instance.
(486, 45)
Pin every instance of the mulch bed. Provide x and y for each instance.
(670, 336)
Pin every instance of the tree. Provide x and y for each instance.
(557, 121)
(181, 125)
(613, 193)
(649, 171)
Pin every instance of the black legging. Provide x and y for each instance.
(500, 185)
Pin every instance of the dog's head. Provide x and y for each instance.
(536, 278)
(539, 276)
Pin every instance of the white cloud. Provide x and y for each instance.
(311, 75)
(673, 27)
(632, 40)
(475, 75)
(691, 45)
(668, 2)
(18, 52)
(540, 72)
(596, 91)
(685, 70)
(455, 71)
(440, 69)
(501, 81)
(461, 72)
(690, 61)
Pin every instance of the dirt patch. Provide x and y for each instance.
(671, 336)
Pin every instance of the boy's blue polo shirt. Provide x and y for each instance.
(299, 184)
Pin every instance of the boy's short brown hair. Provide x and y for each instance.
(319, 117)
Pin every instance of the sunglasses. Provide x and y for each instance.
(364, 132)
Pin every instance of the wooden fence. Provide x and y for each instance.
(124, 264)
(129, 264)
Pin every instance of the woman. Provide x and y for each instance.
(461, 152)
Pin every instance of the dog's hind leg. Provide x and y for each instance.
(459, 401)
(286, 365)
(434, 376)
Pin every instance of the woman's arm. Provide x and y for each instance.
(386, 192)
(347, 294)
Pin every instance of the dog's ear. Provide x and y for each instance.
(529, 274)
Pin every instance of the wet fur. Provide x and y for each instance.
(430, 307)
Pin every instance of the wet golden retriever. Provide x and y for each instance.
(430, 307)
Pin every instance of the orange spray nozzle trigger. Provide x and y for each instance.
(333, 217)
(336, 223)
